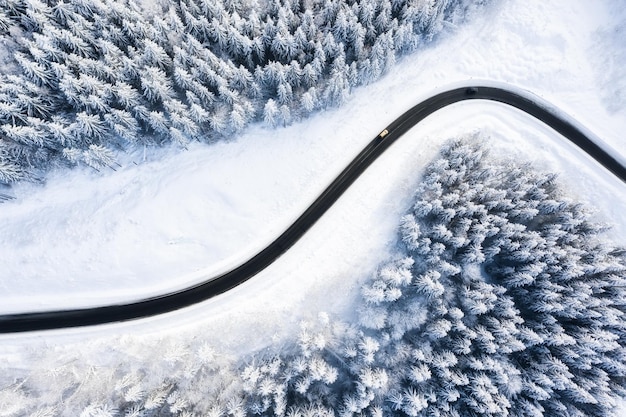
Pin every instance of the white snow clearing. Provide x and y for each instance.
(89, 239)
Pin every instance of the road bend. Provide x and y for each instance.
(58, 319)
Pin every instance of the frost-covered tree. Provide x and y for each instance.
(224, 61)
(507, 302)
(270, 113)
(330, 370)
(504, 299)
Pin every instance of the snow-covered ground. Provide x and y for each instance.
(90, 239)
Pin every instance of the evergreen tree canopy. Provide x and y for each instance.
(504, 299)
(102, 73)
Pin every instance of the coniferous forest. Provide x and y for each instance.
(503, 298)
(89, 78)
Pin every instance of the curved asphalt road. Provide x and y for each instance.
(14, 323)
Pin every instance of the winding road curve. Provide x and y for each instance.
(23, 322)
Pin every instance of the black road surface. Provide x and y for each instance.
(23, 322)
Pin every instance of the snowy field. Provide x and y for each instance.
(89, 239)
(178, 217)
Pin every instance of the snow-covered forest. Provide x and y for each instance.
(91, 77)
(494, 293)
(503, 298)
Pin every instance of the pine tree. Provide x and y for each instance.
(270, 113)
(101, 57)
(501, 279)
(504, 298)
(10, 173)
(309, 100)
